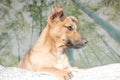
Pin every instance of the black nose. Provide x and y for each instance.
(84, 41)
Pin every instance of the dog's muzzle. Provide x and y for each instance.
(69, 44)
(76, 44)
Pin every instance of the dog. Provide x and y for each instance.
(48, 54)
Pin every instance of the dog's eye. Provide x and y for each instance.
(69, 28)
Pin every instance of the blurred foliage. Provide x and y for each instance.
(7, 58)
(13, 22)
(93, 8)
(6, 2)
(112, 3)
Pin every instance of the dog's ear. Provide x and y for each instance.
(57, 12)
(74, 19)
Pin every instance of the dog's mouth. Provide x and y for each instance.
(76, 45)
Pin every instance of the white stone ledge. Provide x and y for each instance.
(107, 72)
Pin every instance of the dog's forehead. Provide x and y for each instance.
(69, 22)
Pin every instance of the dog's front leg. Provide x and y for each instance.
(61, 74)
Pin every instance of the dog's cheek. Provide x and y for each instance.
(63, 38)
(56, 33)
(70, 36)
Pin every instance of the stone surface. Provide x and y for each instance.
(107, 72)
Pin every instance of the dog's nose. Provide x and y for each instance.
(84, 41)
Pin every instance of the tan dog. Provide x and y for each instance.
(48, 54)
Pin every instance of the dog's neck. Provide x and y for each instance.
(47, 43)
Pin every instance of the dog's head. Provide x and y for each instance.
(64, 30)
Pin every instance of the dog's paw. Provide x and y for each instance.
(65, 75)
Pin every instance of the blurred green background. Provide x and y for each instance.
(21, 22)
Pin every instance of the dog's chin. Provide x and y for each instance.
(75, 46)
